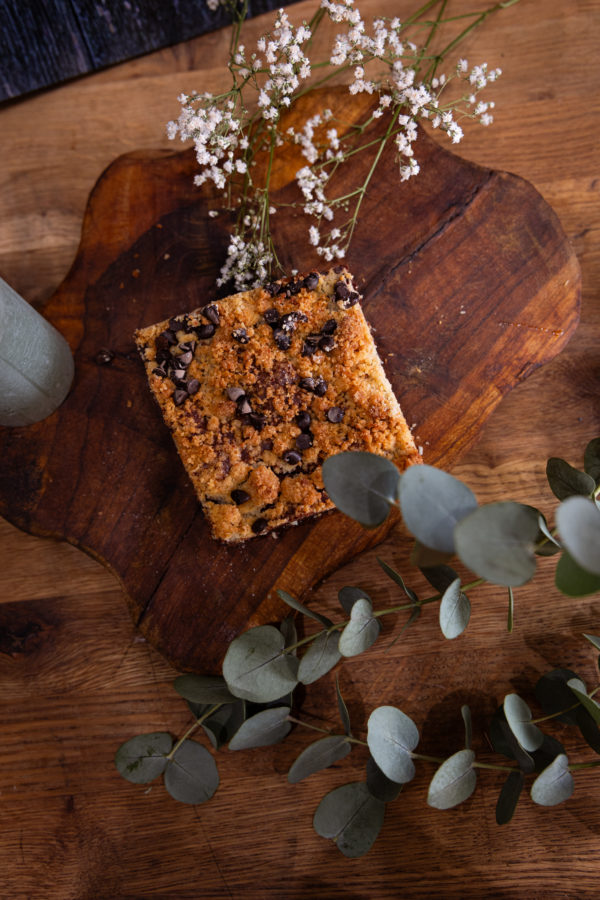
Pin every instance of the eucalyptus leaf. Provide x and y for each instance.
(553, 785)
(380, 786)
(453, 782)
(348, 596)
(578, 688)
(465, 712)
(588, 728)
(287, 628)
(391, 737)
(565, 481)
(397, 578)
(578, 523)
(572, 580)
(319, 755)
(361, 631)
(207, 689)
(518, 716)
(142, 758)
(343, 709)
(270, 726)
(432, 502)
(554, 695)
(591, 459)
(361, 485)
(548, 751)
(594, 641)
(546, 543)
(256, 668)
(191, 775)
(321, 656)
(299, 607)
(509, 797)
(497, 542)
(510, 620)
(351, 817)
(440, 577)
(503, 741)
(455, 611)
(223, 724)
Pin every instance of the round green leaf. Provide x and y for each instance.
(453, 782)
(191, 775)
(504, 742)
(350, 816)
(593, 639)
(455, 611)
(565, 481)
(208, 689)
(398, 579)
(391, 737)
(578, 523)
(432, 502)
(509, 797)
(319, 755)
(382, 787)
(362, 485)
(321, 656)
(256, 668)
(572, 580)
(361, 631)
(224, 722)
(554, 695)
(265, 728)
(518, 716)
(143, 758)
(497, 542)
(554, 784)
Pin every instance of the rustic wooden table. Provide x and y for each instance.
(77, 680)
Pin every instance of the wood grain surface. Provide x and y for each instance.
(78, 679)
(454, 269)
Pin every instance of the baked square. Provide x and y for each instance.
(259, 388)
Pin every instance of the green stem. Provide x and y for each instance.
(192, 728)
(588, 765)
(307, 725)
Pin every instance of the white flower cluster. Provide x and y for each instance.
(287, 65)
(247, 265)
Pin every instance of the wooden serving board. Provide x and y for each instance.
(468, 281)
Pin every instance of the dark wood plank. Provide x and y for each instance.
(502, 290)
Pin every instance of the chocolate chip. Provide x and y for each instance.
(295, 287)
(184, 359)
(282, 339)
(272, 289)
(162, 356)
(304, 440)
(271, 317)
(339, 269)
(205, 330)
(179, 396)
(166, 338)
(234, 393)
(340, 289)
(307, 384)
(308, 349)
(329, 327)
(178, 324)
(243, 406)
(289, 321)
(292, 457)
(177, 374)
(335, 414)
(212, 314)
(104, 357)
(351, 300)
(187, 345)
(303, 419)
(257, 420)
(320, 387)
(193, 386)
(238, 496)
(240, 335)
(158, 371)
(311, 281)
(259, 525)
(327, 343)
(266, 445)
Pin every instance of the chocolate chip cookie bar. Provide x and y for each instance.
(259, 388)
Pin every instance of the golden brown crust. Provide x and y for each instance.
(236, 382)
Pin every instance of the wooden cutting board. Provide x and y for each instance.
(469, 284)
